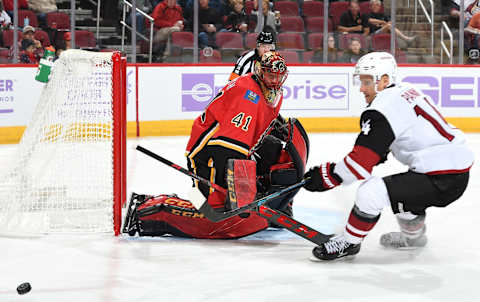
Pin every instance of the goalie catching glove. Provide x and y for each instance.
(322, 178)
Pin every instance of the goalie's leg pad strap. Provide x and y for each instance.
(167, 214)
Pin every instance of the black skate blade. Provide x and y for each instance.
(341, 259)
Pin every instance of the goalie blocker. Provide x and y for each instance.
(169, 214)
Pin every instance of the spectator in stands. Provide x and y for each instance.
(333, 54)
(209, 24)
(237, 20)
(472, 32)
(452, 7)
(29, 34)
(8, 5)
(41, 9)
(378, 22)
(5, 20)
(28, 54)
(354, 51)
(271, 19)
(352, 21)
(143, 5)
(168, 18)
(67, 37)
(221, 6)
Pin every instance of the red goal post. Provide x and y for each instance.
(68, 174)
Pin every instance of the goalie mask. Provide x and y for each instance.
(272, 73)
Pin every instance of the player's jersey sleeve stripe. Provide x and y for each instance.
(203, 141)
(355, 166)
(229, 145)
(365, 157)
(350, 171)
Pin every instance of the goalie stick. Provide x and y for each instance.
(269, 214)
(201, 203)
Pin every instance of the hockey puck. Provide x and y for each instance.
(24, 288)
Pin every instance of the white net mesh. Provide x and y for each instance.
(61, 179)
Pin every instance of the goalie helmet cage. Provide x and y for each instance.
(68, 174)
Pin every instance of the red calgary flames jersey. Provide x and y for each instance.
(235, 118)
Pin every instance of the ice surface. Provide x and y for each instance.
(268, 266)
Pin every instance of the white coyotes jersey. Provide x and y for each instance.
(423, 140)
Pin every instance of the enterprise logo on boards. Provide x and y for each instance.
(198, 89)
(6, 96)
(301, 91)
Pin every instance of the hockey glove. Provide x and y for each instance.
(322, 178)
(267, 153)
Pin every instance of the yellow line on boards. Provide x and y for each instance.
(12, 135)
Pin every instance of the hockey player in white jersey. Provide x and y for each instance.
(403, 120)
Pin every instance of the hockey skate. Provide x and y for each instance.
(335, 248)
(397, 240)
(412, 234)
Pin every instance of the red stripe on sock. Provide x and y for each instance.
(359, 224)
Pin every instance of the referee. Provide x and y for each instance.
(246, 63)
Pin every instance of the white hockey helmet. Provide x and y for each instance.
(376, 64)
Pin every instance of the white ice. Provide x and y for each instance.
(269, 266)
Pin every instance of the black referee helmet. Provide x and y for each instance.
(266, 37)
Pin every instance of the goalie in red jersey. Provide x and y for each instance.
(240, 127)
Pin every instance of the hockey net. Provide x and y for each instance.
(68, 174)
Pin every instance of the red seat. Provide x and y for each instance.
(290, 56)
(216, 57)
(42, 36)
(251, 40)
(315, 24)
(291, 41)
(365, 7)
(312, 9)
(5, 56)
(8, 37)
(292, 24)
(85, 38)
(315, 40)
(182, 39)
(336, 10)
(61, 20)
(229, 40)
(286, 8)
(381, 41)
(307, 56)
(22, 13)
(344, 40)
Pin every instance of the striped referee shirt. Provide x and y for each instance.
(245, 64)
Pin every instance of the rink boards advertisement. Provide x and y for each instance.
(325, 98)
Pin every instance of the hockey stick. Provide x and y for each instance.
(203, 205)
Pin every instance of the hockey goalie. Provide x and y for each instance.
(240, 131)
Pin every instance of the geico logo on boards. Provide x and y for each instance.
(449, 91)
